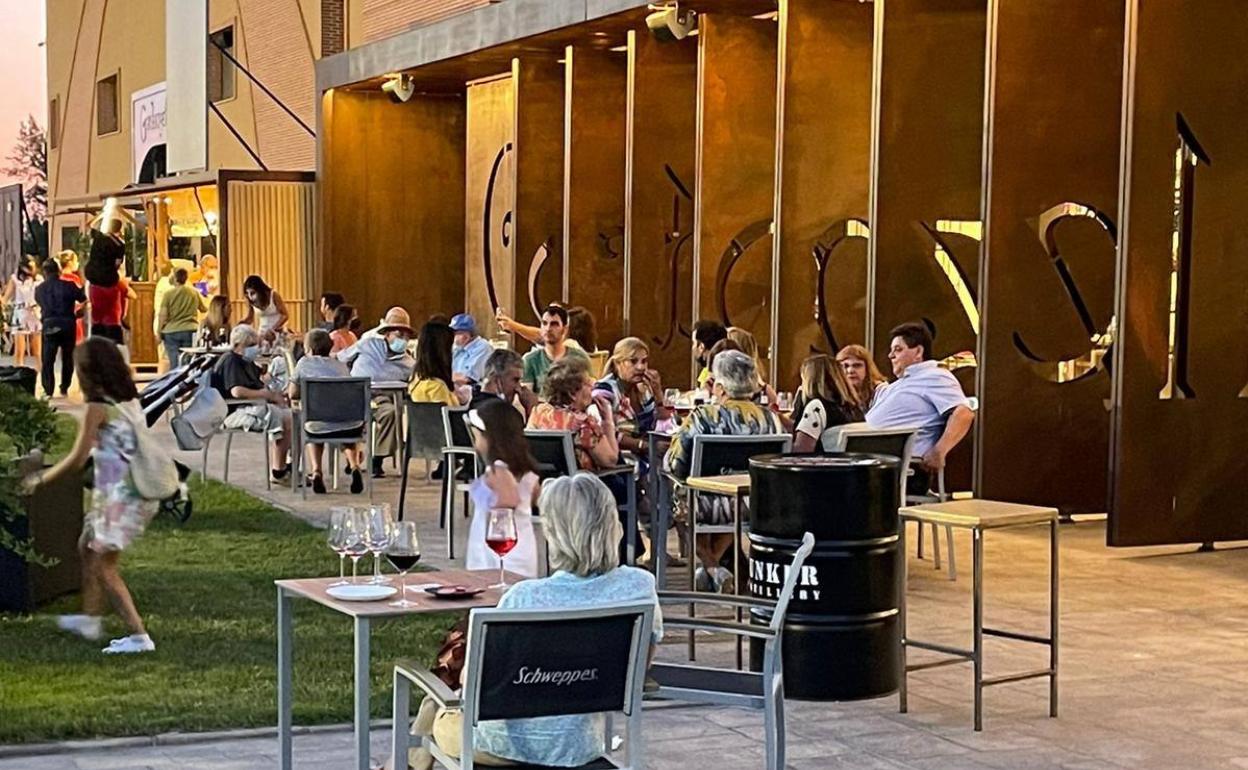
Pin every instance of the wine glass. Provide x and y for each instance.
(377, 531)
(500, 536)
(355, 524)
(403, 552)
(671, 396)
(337, 536)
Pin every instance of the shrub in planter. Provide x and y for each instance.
(38, 534)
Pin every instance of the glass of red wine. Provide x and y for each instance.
(403, 552)
(500, 536)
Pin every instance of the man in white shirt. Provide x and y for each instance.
(924, 395)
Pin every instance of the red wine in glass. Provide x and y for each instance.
(501, 546)
(402, 562)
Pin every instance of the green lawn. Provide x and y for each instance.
(206, 592)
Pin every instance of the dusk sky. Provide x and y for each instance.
(23, 69)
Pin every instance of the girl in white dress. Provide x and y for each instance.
(24, 322)
(498, 436)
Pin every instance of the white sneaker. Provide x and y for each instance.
(724, 581)
(129, 644)
(89, 627)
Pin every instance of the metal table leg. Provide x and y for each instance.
(284, 689)
(1053, 622)
(903, 704)
(630, 548)
(978, 628)
(736, 567)
(362, 631)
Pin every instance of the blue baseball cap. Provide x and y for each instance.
(464, 323)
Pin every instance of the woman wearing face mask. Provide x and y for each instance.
(24, 323)
(236, 376)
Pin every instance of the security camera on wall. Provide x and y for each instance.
(399, 88)
(668, 24)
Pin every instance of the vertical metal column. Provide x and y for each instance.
(978, 630)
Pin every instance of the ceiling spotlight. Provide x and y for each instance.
(668, 24)
(399, 87)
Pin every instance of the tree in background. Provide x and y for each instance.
(28, 161)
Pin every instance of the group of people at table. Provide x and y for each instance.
(610, 416)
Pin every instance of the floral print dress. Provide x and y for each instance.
(118, 514)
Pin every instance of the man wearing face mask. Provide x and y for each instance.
(383, 357)
(235, 376)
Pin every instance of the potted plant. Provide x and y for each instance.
(39, 533)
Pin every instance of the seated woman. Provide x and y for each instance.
(318, 363)
(861, 373)
(733, 413)
(432, 381)
(342, 335)
(581, 528)
(634, 393)
(824, 401)
(498, 437)
(568, 394)
(214, 329)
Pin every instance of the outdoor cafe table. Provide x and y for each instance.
(396, 391)
(362, 614)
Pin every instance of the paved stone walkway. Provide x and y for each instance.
(1154, 670)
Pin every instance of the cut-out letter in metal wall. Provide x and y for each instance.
(740, 243)
(1188, 155)
(674, 239)
(825, 244)
(535, 271)
(487, 226)
(1071, 369)
(957, 277)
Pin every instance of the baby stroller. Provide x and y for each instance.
(174, 388)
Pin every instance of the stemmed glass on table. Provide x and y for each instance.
(378, 528)
(354, 544)
(403, 552)
(500, 536)
(339, 535)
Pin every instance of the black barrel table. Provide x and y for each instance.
(842, 634)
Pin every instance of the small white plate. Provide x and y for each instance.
(362, 593)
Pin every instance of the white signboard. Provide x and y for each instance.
(186, 75)
(147, 124)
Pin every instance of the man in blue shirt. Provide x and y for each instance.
(383, 358)
(925, 396)
(470, 351)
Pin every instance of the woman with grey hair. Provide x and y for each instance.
(733, 412)
(582, 535)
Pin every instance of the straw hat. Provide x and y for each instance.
(396, 318)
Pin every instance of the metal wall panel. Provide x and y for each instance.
(736, 172)
(823, 178)
(659, 234)
(929, 147)
(1047, 277)
(1179, 467)
(491, 176)
(539, 185)
(392, 198)
(596, 101)
(271, 233)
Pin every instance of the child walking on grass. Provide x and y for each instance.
(117, 512)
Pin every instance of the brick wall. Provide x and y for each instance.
(383, 18)
(333, 26)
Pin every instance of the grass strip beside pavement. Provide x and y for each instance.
(206, 592)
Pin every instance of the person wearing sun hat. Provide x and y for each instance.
(470, 351)
(383, 357)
